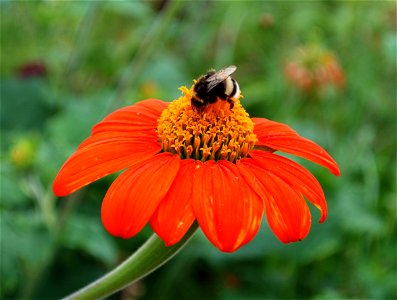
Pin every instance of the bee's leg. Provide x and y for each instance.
(197, 104)
(231, 102)
(212, 98)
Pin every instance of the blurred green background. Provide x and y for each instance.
(65, 65)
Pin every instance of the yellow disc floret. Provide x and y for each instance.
(216, 133)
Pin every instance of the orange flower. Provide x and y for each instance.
(312, 68)
(217, 167)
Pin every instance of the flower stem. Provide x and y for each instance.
(145, 260)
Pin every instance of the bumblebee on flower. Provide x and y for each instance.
(199, 158)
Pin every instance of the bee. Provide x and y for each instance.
(213, 86)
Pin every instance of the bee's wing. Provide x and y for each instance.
(219, 76)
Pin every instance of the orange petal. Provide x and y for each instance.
(136, 121)
(132, 136)
(123, 138)
(279, 136)
(286, 210)
(295, 176)
(227, 211)
(174, 215)
(140, 116)
(134, 196)
(99, 159)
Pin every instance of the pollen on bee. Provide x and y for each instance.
(219, 107)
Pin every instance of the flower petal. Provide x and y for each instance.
(134, 196)
(227, 211)
(279, 136)
(174, 215)
(135, 121)
(122, 139)
(296, 176)
(286, 210)
(133, 136)
(140, 116)
(100, 158)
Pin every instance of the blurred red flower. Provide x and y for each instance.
(32, 69)
(219, 168)
(312, 68)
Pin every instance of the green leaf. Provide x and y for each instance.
(71, 126)
(24, 103)
(11, 193)
(87, 234)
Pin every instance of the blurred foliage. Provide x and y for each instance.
(64, 65)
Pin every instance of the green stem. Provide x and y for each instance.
(37, 275)
(145, 260)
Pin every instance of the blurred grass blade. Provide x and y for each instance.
(147, 47)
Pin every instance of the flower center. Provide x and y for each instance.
(216, 133)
